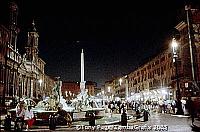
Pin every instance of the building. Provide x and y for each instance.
(152, 80)
(109, 90)
(10, 57)
(116, 88)
(189, 53)
(121, 87)
(91, 86)
(70, 89)
(4, 40)
(49, 84)
(159, 77)
(21, 75)
(97, 91)
(34, 65)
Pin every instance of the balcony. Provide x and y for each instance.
(179, 76)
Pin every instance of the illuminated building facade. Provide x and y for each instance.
(153, 79)
(91, 86)
(21, 75)
(157, 79)
(72, 89)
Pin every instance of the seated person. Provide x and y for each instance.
(20, 112)
(61, 116)
(29, 117)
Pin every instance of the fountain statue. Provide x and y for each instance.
(56, 91)
(82, 103)
(55, 100)
(80, 107)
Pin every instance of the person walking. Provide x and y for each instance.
(191, 108)
(173, 106)
(29, 118)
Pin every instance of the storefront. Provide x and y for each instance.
(165, 93)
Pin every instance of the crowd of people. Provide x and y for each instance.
(189, 107)
(117, 106)
(25, 115)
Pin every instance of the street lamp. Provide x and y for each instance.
(178, 94)
(109, 93)
(40, 82)
(66, 95)
(103, 92)
(103, 98)
(108, 88)
(120, 81)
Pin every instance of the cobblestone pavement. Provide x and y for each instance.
(164, 122)
(156, 122)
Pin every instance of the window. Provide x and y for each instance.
(158, 71)
(149, 67)
(145, 77)
(162, 59)
(150, 84)
(157, 62)
(164, 67)
(162, 70)
(170, 66)
(169, 55)
(138, 73)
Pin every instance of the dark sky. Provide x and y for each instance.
(116, 37)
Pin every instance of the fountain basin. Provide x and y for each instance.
(83, 115)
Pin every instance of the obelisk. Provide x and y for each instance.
(82, 83)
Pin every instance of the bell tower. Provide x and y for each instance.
(13, 24)
(32, 44)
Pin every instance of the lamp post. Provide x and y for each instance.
(40, 83)
(192, 51)
(126, 87)
(178, 94)
(109, 93)
(103, 98)
(108, 88)
(119, 92)
(66, 95)
(120, 81)
(187, 8)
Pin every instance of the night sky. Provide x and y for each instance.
(116, 37)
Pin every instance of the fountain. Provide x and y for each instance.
(79, 109)
(54, 101)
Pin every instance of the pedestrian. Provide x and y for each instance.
(122, 107)
(160, 106)
(173, 106)
(191, 109)
(112, 107)
(132, 105)
(179, 107)
(165, 106)
(119, 106)
(137, 114)
(20, 112)
(29, 118)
